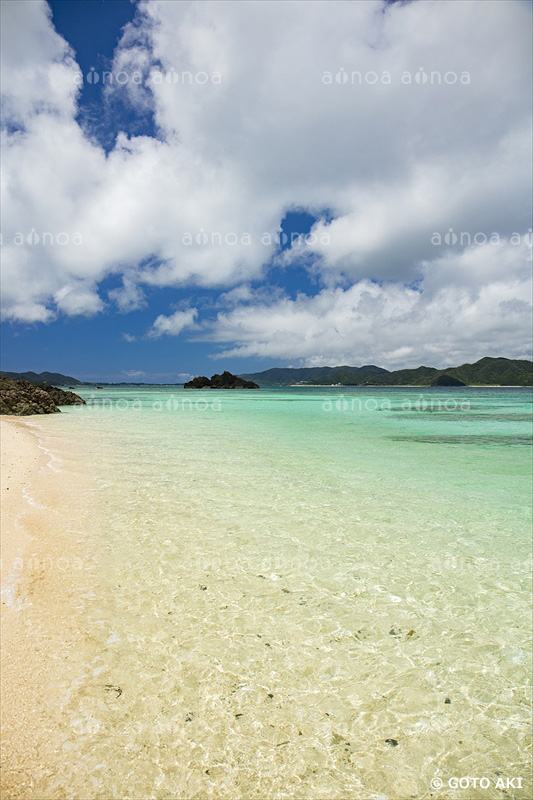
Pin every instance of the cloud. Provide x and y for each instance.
(129, 337)
(173, 324)
(129, 296)
(440, 322)
(311, 110)
(134, 373)
(39, 71)
(78, 298)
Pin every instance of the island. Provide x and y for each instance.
(224, 381)
(487, 371)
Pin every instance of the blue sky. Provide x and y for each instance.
(154, 151)
(94, 347)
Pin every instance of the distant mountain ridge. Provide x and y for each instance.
(286, 375)
(38, 379)
(485, 372)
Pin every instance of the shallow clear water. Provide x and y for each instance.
(286, 579)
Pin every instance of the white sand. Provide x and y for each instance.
(42, 645)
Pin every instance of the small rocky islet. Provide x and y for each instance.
(22, 398)
(224, 381)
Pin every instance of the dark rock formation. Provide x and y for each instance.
(229, 381)
(63, 398)
(447, 380)
(224, 381)
(201, 382)
(24, 398)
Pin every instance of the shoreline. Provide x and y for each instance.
(42, 571)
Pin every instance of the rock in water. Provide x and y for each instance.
(63, 398)
(229, 381)
(224, 381)
(201, 382)
(23, 398)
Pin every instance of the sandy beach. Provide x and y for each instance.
(41, 569)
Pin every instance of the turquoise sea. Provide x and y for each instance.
(300, 593)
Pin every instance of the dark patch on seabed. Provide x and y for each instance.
(494, 440)
(467, 416)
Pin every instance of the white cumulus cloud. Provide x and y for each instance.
(265, 107)
(440, 322)
(173, 324)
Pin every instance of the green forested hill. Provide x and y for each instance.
(485, 372)
(500, 371)
(284, 376)
(50, 378)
